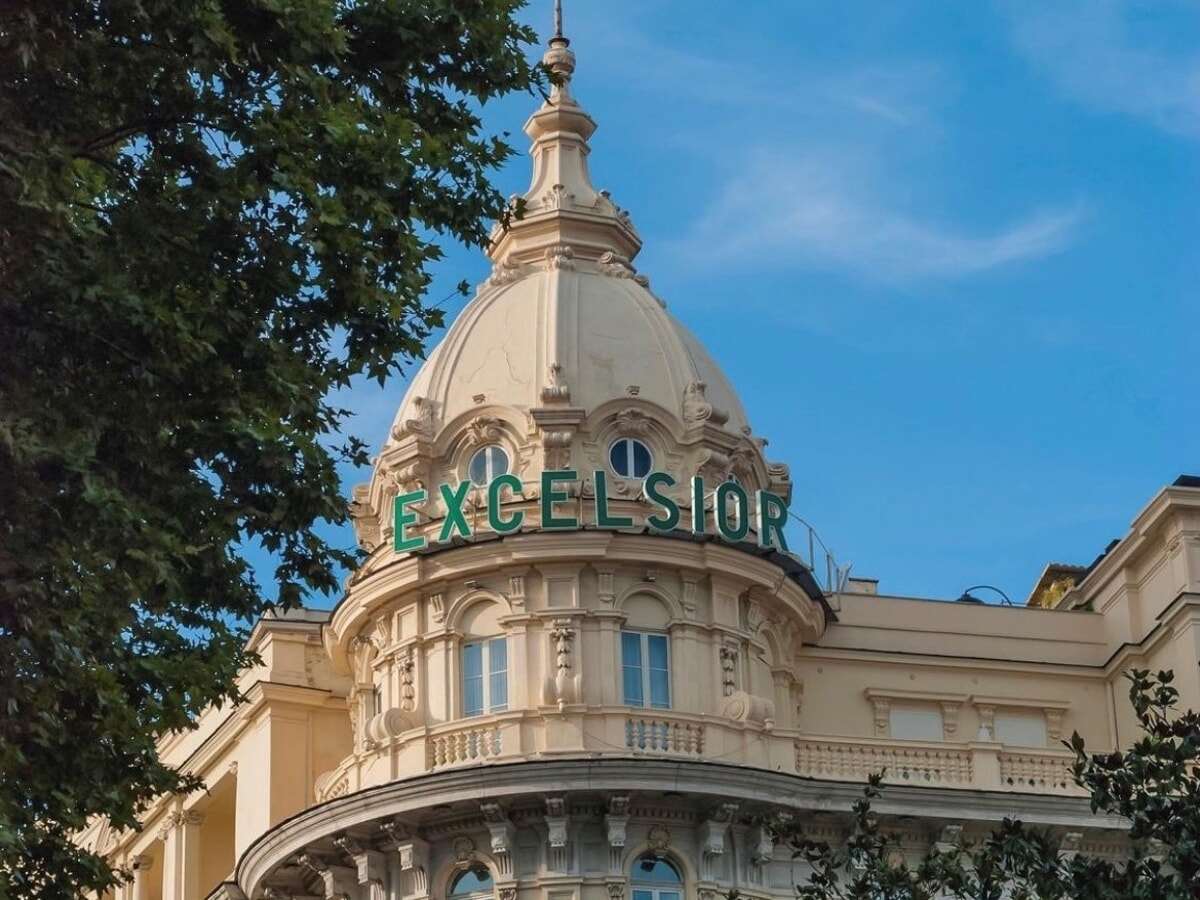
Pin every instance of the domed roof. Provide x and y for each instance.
(564, 305)
(563, 351)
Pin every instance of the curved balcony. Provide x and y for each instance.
(666, 734)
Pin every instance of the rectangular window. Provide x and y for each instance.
(645, 669)
(916, 724)
(1020, 729)
(482, 693)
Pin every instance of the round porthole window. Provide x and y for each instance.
(487, 464)
(630, 458)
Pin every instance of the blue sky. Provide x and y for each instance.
(948, 252)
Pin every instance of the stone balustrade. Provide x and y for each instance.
(619, 731)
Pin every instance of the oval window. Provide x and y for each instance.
(487, 464)
(630, 458)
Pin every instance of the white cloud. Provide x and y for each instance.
(1139, 59)
(829, 210)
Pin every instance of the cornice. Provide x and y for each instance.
(705, 781)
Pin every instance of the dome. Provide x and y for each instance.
(593, 335)
(563, 351)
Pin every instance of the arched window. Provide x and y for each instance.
(484, 661)
(488, 464)
(654, 878)
(476, 880)
(630, 458)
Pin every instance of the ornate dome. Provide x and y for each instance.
(563, 351)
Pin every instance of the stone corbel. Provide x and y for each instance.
(616, 823)
(711, 838)
(503, 834)
(413, 855)
(341, 883)
(948, 839)
(372, 870)
(556, 832)
(1070, 845)
(762, 849)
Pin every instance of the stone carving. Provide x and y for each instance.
(713, 468)
(560, 256)
(949, 720)
(616, 890)
(632, 422)
(437, 607)
(883, 717)
(1054, 719)
(508, 893)
(366, 522)
(557, 197)
(987, 723)
(615, 265)
(556, 449)
(556, 390)
(484, 430)
(728, 665)
(697, 410)
(464, 849)
(604, 585)
(659, 840)
(422, 422)
(507, 271)
(741, 464)
(750, 708)
(564, 689)
(408, 693)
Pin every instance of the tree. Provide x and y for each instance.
(212, 214)
(1155, 786)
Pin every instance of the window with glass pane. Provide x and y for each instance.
(655, 879)
(485, 658)
(645, 669)
(470, 882)
(488, 464)
(630, 458)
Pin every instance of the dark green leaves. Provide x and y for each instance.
(211, 215)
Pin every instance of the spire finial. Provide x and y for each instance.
(559, 59)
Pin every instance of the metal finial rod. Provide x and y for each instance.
(558, 18)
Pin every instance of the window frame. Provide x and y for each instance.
(656, 889)
(478, 871)
(488, 675)
(491, 473)
(644, 668)
(630, 458)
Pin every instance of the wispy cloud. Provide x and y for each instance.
(828, 210)
(1139, 59)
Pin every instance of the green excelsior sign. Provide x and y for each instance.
(731, 511)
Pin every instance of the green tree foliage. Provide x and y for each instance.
(1154, 786)
(212, 213)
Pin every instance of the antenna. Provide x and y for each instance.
(558, 32)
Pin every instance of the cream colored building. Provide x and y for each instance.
(598, 712)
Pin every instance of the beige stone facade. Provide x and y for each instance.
(598, 712)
